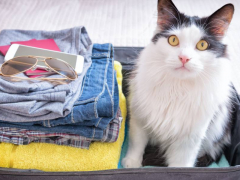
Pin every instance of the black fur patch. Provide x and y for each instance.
(153, 156)
(204, 161)
(157, 36)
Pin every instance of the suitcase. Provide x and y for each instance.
(127, 56)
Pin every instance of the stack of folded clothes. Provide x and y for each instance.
(73, 114)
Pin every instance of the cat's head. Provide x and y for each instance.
(190, 45)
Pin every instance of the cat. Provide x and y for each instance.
(180, 92)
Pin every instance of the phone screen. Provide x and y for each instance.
(26, 51)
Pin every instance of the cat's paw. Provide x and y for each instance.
(131, 163)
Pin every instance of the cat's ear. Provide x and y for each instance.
(168, 14)
(219, 21)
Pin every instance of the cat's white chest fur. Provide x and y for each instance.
(172, 112)
(171, 108)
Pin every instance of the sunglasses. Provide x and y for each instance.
(22, 64)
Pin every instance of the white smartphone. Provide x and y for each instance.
(76, 61)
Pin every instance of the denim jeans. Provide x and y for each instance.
(96, 106)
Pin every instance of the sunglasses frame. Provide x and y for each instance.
(47, 65)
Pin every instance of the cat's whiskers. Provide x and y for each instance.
(215, 36)
(215, 26)
(173, 16)
(159, 69)
(210, 77)
(206, 80)
(209, 37)
(152, 62)
(176, 10)
(203, 82)
(206, 24)
(168, 23)
(219, 25)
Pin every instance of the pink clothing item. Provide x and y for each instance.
(43, 43)
(24, 42)
(4, 49)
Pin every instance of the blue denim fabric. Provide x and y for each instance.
(96, 106)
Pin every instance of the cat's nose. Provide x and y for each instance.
(184, 59)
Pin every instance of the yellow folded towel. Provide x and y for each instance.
(50, 157)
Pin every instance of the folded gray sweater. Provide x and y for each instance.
(25, 101)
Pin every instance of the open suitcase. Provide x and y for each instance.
(127, 56)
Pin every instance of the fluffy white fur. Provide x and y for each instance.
(173, 108)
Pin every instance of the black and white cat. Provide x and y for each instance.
(180, 95)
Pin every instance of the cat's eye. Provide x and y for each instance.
(173, 40)
(202, 45)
